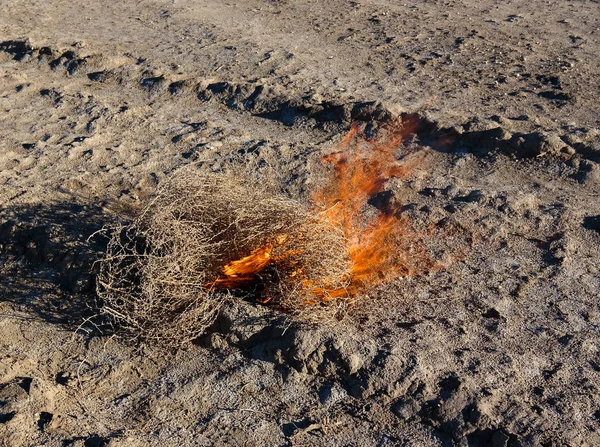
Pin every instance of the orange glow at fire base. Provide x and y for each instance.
(243, 271)
(378, 248)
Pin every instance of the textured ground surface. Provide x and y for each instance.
(99, 101)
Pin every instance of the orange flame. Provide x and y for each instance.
(243, 271)
(362, 167)
(380, 248)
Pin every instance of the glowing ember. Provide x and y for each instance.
(382, 248)
(243, 271)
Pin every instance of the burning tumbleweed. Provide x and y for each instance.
(164, 275)
(204, 237)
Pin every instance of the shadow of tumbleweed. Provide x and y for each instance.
(47, 263)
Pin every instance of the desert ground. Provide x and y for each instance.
(101, 101)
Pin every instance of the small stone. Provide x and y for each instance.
(331, 394)
(405, 409)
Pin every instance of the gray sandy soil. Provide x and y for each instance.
(100, 101)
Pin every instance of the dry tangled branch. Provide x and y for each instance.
(166, 274)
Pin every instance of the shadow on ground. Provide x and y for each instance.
(47, 256)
